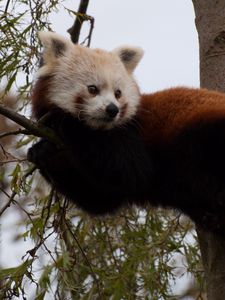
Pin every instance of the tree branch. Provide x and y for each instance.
(32, 127)
(8, 204)
(74, 31)
(15, 132)
(88, 38)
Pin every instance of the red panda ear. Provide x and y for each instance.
(130, 56)
(54, 46)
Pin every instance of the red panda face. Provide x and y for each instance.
(93, 85)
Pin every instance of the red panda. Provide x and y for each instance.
(92, 98)
(165, 148)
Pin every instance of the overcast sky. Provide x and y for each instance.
(164, 29)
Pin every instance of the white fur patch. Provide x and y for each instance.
(74, 68)
(130, 56)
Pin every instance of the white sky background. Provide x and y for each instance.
(166, 31)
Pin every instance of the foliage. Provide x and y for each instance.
(134, 255)
(137, 254)
(20, 20)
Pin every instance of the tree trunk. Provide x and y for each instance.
(210, 23)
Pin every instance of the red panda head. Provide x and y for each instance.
(93, 85)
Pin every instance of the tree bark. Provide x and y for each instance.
(74, 31)
(210, 24)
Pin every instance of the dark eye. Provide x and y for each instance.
(118, 94)
(93, 90)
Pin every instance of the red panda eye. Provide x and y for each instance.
(93, 90)
(118, 94)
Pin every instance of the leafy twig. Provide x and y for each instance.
(84, 255)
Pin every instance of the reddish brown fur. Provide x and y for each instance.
(79, 100)
(163, 115)
(40, 102)
(123, 110)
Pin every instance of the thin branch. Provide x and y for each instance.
(74, 31)
(88, 38)
(7, 6)
(3, 151)
(12, 161)
(29, 172)
(33, 128)
(48, 208)
(9, 157)
(15, 132)
(4, 192)
(14, 193)
(8, 204)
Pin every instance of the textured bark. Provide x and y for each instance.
(210, 23)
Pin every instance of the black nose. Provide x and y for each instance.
(112, 110)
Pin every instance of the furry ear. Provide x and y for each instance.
(54, 45)
(130, 56)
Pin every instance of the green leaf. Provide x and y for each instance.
(15, 178)
(15, 272)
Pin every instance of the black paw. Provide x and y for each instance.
(42, 152)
